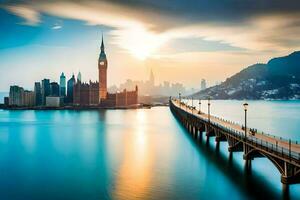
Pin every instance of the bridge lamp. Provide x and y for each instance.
(245, 109)
(192, 104)
(208, 104)
(199, 106)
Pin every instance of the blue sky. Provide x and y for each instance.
(182, 41)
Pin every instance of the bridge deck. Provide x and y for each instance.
(268, 139)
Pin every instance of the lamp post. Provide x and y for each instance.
(208, 111)
(199, 106)
(192, 105)
(245, 109)
(208, 104)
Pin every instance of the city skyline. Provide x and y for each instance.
(42, 35)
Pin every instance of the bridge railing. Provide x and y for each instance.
(257, 131)
(259, 143)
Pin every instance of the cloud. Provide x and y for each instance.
(254, 25)
(55, 27)
(31, 16)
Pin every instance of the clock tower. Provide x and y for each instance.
(102, 67)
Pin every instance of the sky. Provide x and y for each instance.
(180, 40)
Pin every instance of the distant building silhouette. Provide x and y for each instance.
(70, 85)
(37, 94)
(148, 88)
(45, 90)
(62, 85)
(151, 79)
(203, 84)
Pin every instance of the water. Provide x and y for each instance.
(122, 154)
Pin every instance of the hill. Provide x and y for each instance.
(278, 79)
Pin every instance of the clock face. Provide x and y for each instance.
(101, 63)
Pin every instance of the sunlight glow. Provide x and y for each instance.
(139, 41)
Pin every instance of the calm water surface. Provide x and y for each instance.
(130, 154)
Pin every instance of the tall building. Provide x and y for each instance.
(37, 94)
(62, 84)
(16, 94)
(203, 84)
(28, 98)
(54, 89)
(79, 77)
(151, 79)
(45, 90)
(102, 67)
(70, 86)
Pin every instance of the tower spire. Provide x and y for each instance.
(102, 55)
(102, 44)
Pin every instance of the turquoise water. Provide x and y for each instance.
(123, 154)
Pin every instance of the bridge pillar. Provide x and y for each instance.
(234, 145)
(291, 174)
(247, 156)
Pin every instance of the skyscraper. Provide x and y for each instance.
(79, 77)
(54, 89)
(62, 84)
(16, 94)
(45, 90)
(102, 67)
(151, 79)
(37, 94)
(70, 85)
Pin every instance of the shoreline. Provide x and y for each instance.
(141, 106)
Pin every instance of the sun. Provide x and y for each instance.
(139, 42)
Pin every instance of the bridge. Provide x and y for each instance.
(284, 154)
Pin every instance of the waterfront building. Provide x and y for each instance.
(28, 98)
(62, 85)
(37, 94)
(54, 89)
(6, 101)
(54, 101)
(16, 95)
(86, 93)
(20, 97)
(45, 90)
(70, 86)
(102, 68)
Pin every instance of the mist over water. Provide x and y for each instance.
(125, 154)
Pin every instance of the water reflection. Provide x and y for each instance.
(134, 177)
(241, 177)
